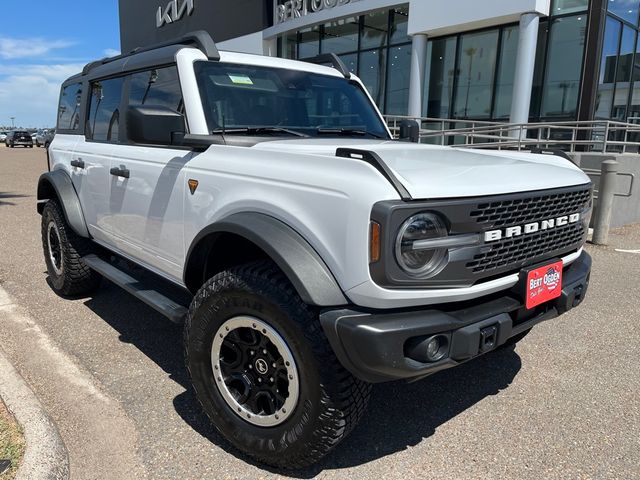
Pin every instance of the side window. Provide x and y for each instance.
(158, 87)
(69, 107)
(104, 110)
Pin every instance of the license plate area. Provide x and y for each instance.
(543, 283)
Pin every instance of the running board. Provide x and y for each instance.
(167, 307)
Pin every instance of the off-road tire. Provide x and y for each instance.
(75, 278)
(331, 400)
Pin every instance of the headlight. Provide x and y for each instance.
(416, 260)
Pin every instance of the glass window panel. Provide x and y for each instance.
(372, 73)
(506, 73)
(625, 9)
(104, 110)
(69, 107)
(538, 74)
(341, 36)
(375, 30)
(476, 69)
(608, 63)
(399, 24)
(440, 71)
(561, 7)
(623, 73)
(287, 45)
(634, 110)
(159, 87)
(562, 79)
(398, 81)
(351, 62)
(309, 46)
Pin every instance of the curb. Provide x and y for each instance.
(45, 457)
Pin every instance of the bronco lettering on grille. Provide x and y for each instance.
(530, 228)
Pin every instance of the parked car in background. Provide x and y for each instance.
(44, 138)
(3, 136)
(18, 138)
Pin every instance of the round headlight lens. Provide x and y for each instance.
(420, 262)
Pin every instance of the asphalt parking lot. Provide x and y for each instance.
(109, 370)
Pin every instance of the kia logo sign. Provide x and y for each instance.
(173, 12)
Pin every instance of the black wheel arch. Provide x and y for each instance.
(245, 237)
(58, 185)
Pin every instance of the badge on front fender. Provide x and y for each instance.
(543, 284)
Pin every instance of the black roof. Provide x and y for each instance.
(140, 58)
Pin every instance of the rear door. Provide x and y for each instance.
(92, 154)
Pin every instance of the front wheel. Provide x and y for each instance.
(63, 252)
(263, 369)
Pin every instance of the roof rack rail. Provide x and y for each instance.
(200, 39)
(333, 60)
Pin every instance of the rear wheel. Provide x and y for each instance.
(263, 369)
(63, 252)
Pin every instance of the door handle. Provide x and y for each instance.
(79, 163)
(120, 172)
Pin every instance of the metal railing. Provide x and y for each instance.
(603, 136)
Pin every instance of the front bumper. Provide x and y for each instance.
(378, 347)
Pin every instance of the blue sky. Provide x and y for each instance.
(42, 42)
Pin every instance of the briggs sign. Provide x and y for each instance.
(173, 12)
(291, 9)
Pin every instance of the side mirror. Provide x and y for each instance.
(154, 125)
(410, 131)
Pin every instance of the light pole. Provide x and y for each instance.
(12, 122)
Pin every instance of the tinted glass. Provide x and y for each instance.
(476, 69)
(564, 71)
(608, 68)
(69, 107)
(375, 30)
(506, 73)
(104, 110)
(241, 96)
(309, 46)
(372, 67)
(625, 9)
(440, 67)
(398, 82)
(341, 36)
(623, 73)
(635, 94)
(159, 87)
(538, 74)
(561, 7)
(399, 24)
(351, 62)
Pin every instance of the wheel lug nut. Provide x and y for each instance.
(273, 365)
(271, 379)
(252, 353)
(264, 352)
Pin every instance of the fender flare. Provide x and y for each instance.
(59, 183)
(301, 264)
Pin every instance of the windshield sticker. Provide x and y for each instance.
(241, 79)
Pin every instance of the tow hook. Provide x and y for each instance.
(488, 338)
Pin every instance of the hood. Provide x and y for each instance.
(430, 172)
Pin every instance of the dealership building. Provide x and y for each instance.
(495, 60)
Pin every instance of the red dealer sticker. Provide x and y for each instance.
(544, 284)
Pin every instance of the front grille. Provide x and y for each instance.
(513, 253)
(521, 211)
(521, 251)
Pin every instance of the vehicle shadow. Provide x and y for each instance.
(399, 416)
(4, 196)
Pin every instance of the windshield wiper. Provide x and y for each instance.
(258, 131)
(347, 132)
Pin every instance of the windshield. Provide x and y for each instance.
(243, 99)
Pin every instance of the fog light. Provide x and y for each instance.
(437, 348)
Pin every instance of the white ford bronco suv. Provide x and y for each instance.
(318, 254)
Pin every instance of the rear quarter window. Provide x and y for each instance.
(69, 107)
